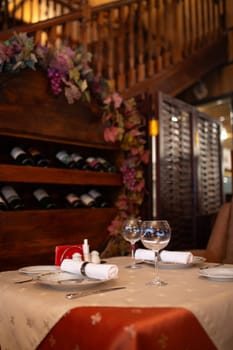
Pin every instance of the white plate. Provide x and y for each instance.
(38, 270)
(170, 265)
(219, 274)
(60, 279)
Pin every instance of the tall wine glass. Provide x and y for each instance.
(131, 232)
(155, 235)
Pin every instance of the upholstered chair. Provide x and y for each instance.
(220, 244)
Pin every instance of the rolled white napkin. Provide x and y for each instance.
(165, 255)
(96, 271)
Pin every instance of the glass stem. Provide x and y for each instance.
(156, 265)
(133, 253)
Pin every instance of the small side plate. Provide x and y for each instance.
(38, 269)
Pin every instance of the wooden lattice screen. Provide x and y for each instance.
(185, 180)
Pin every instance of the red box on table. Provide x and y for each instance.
(66, 252)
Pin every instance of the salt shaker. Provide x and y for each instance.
(95, 258)
(77, 257)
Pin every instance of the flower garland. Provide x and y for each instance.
(70, 72)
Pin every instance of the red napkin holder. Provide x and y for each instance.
(66, 251)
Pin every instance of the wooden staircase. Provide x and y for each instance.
(139, 46)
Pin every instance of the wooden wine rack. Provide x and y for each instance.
(30, 115)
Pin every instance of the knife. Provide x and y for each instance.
(85, 293)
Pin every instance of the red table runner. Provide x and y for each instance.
(127, 328)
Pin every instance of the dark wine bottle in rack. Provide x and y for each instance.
(107, 166)
(12, 198)
(44, 199)
(65, 159)
(88, 201)
(21, 156)
(80, 162)
(73, 200)
(98, 197)
(94, 164)
(3, 204)
(38, 157)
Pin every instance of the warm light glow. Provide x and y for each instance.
(223, 134)
(153, 127)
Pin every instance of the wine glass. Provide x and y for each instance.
(131, 233)
(155, 235)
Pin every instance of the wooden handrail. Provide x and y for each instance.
(134, 41)
(42, 25)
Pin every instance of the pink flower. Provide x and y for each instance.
(134, 151)
(110, 134)
(139, 187)
(145, 157)
(115, 98)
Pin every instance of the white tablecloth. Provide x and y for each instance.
(28, 311)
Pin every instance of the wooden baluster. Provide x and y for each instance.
(84, 24)
(193, 26)
(22, 14)
(205, 20)
(99, 48)
(11, 10)
(150, 33)
(160, 34)
(140, 40)
(208, 23)
(157, 34)
(65, 32)
(75, 33)
(215, 19)
(52, 35)
(168, 33)
(38, 16)
(229, 25)
(162, 30)
(121, 79)
(199, 39)
(131, 46)
(186, 27)
(177, 32)
(111, 48)
(211, 19)
(38, 37)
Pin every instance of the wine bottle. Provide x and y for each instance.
(38, 157)
(73, 201)
(44, 199)
(21, 156)
(80, 162)
(106, 165)
(12, 198)
(65, 159)
(3, 205)
(88, 201)
(98, 197)
(94, 164)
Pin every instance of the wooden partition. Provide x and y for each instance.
(185, 177)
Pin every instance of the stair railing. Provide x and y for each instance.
(134, 40)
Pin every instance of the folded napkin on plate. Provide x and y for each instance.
(166, 256)
(90, 270)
